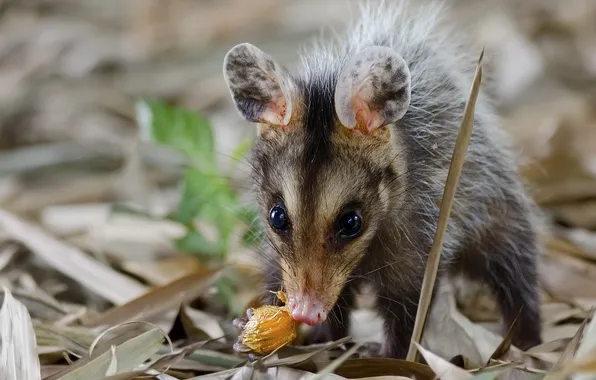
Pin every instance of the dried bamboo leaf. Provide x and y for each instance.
(75, 264)
(158, 300)
(570, 350)
(337, 362)
(442, 368)
(113, 367)
(585, 350)
(200, 325)
(301, 358)
(506, 342)
(130, 354)
(382, 367)
(18, 356)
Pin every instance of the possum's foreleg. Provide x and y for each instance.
(515, 288)
(397, 307)
(506, 259)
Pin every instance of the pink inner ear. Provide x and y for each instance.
(367, 120)
(275, 113)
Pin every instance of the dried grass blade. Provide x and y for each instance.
(457, 162)
(571, 349)
(99, 278)
(301, 358)
(506, 342)
(336, 363)
(161, 299)
(563, 367)
(129, 354)
(18, 355)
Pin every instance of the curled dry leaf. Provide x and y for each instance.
(585, 351)
(369, 367)
(199, 324)
(18, 355)
(331, 367)
(568, 354)
(448, 328)
(442, 368)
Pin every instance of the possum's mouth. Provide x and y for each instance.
(308, 309)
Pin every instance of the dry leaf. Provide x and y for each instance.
(129, 354)
(505, 344)
(586, 348)
(167, 297)
(18, 355)
(331, 367)
(442, 368)
(198, 323)
(355, 368)
(448, 332)
(75, 264)
(569, 352)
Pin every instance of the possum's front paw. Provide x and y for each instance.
(238, 347)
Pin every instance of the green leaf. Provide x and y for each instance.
(207, 197)
(178, 128)
(203, 194)
(195, 243)
(226, 289)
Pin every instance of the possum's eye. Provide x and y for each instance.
(278, 218)
(349, 224)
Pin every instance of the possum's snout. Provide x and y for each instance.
(307, 309)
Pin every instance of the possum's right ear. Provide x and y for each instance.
(260, 87)
(373, 90)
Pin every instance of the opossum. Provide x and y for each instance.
(350, 161)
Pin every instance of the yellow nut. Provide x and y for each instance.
(269, 328)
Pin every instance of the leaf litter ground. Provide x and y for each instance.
(91, 294)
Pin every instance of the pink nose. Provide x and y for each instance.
(307, 309)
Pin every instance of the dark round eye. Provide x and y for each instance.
(277, 218)
(349, 224)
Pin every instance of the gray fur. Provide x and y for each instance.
(491, 235)
(379, 77)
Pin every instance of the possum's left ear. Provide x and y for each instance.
(260, 87)
(373, 90)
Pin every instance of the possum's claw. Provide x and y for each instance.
(239, 323)
(238, 347)
(242, 349)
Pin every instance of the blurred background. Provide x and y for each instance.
(73, 144)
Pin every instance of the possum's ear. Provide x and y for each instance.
(373, 90)
(259, 86)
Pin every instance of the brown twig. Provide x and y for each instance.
(457, 161)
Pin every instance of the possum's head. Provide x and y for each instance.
(326, 163)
